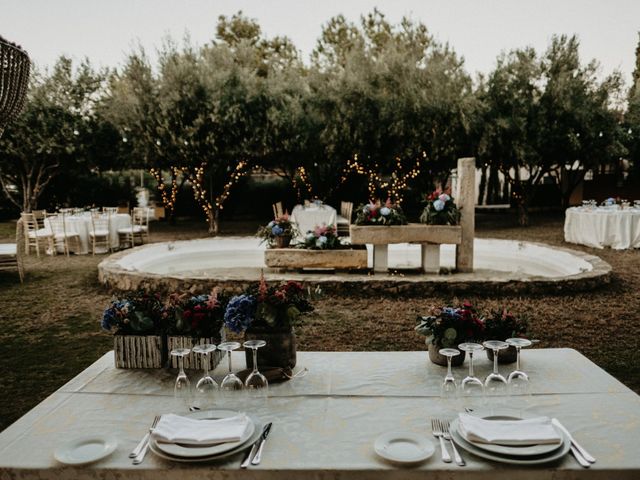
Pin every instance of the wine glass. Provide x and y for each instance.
(255, 379)
(449, 386)
(206, 386)
(182, 387)
(495, 384)
(518, 380)
(471, 386)
(231, 381)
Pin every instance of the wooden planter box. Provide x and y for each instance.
(193, 361)
(137, 351)
(411, 233)
(301, 258)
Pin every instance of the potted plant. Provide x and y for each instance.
(269, 313)
(196, 320)
(374, 213)
(500, 325)
(440, 209)
(449, 327)
(278, 232)
(323, 237)
(135, 321)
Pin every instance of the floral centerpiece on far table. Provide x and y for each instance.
(323, 237)
(502, 324)
(447, 328)
(269, 313)
(376, 213)
(278, 232)
(440, 209)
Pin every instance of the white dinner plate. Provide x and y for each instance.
(85, 449)
(209, 458)
(403, 447)
(513, 450)
(512, 460)
(194, 451)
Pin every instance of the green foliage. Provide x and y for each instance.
(440, 210)
(502, 324)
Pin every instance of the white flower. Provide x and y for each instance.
(271, 224)
(323, 239)
(438, 205)
(384, 211)
(444, 197)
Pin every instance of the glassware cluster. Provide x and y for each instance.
(206, 389)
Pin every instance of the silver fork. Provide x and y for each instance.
(447, 435)
(437, 432)
(141, 449)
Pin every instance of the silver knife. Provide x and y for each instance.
(254, 448)
(258, 456)
(579, 448)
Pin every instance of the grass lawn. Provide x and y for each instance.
(50, 325)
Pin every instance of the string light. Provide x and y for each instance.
(300, 179)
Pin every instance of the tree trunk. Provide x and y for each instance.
(483, 186)
(523, 213)
(214, 222)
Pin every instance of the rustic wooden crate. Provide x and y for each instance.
(194, 361)
(138, 351)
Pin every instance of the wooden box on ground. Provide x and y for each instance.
(296, 258)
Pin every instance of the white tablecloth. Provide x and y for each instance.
(603, 227)
(324, 424)
(307, 218)
(81, 224)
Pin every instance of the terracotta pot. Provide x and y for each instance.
(280, 350)
(283, 241)
(438, 359)
(508, 355)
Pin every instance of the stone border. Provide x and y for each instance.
(403, 283)
(299, 258)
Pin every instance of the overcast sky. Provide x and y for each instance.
(105, 30)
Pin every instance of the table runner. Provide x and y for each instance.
(316, 436)
(600, 227)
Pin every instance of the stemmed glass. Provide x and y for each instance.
(449, 386)
(518, 380)
(231, 381)
(495, 383)
(206, 386)
(255, 379)
(471, 385)
(182, 387)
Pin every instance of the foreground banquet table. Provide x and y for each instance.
(324, 424)
(603, 227)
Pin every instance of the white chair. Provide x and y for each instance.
(11, 255)
(139, 227)
(344, 219)
(277, 210)
(34, 236)
(64, 236)
(100, 232)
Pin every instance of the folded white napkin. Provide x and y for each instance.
(176, 429)
(532, 431)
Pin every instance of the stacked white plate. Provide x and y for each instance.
(180, 452)
(515, 455)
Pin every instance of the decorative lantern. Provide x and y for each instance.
(14, 81)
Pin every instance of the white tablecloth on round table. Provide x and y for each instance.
(81, 224)
(307, 218)
(603, 227)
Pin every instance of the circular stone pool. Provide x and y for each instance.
(500, 265)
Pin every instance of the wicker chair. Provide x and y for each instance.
(63, 235)
(100, 232)
(139, 227)
(34, 236)
(11, 256)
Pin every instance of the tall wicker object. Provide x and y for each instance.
(14, 81)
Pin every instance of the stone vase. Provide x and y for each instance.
(441, 360)
(508, 355)
(280, 350)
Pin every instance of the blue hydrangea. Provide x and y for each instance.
(277, 230)
(240, 312)
(113, 315)
(384, 211)
(438, 205)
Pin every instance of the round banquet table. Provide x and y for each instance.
(81, 224)
(603, 227)
(307, 218)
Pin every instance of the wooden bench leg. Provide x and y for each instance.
(430, 257)
(380, 258)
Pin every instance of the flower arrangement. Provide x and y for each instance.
(324, 237)
(502, 324)
(276, 230)
(136, 314)
(440, 209)
(451, 326)
(272, 308)
(378, 214)
(198, 315)
(611, 201)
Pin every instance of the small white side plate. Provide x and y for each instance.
(403, 447)
(85, 449)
